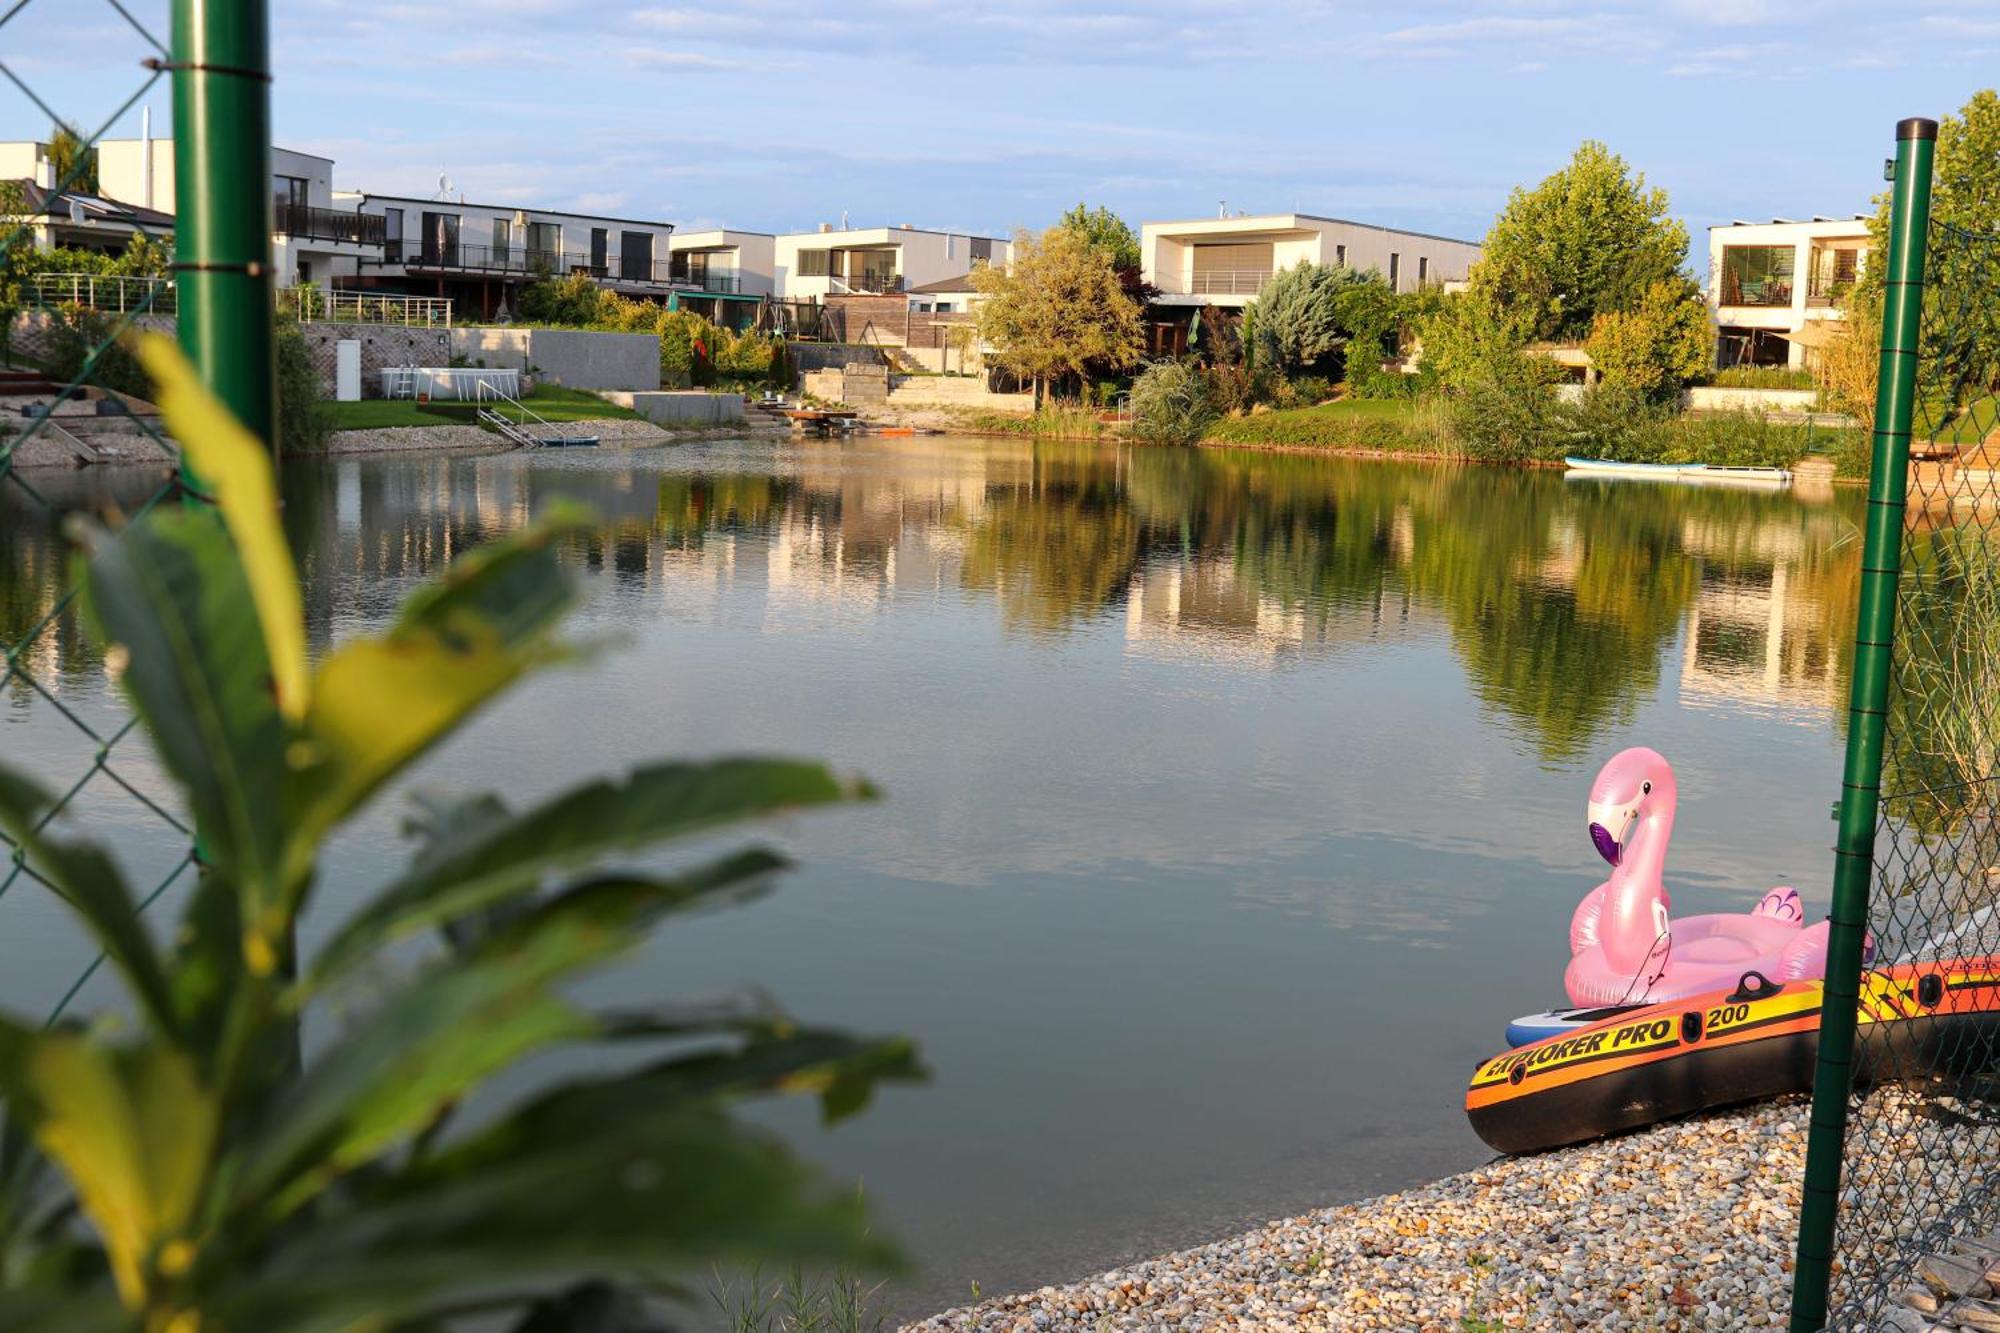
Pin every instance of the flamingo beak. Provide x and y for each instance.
(1604, 817)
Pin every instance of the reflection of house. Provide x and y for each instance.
(1224, 261)
(1204, 606)
(1752, 639)
(871, 261)
(1778, 288)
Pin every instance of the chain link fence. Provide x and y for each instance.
(77, 438)
(1921, 1160)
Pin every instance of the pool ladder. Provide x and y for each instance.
(516, 432)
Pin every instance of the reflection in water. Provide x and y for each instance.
(1560, 601)
(1193, 758)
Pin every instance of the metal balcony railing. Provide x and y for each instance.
(361, 307)
(1766, 293)
(326, 224)
(862, 284)
(95, 291)
(1225, 282)
(465, 257)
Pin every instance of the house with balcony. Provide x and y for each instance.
(481, 255)
(1778, 290)
(1224, 261)
(313, 238)
(875, 261)
(723, 274)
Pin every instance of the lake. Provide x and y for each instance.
(1233, 801)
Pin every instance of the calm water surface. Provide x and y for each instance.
(1233, 801)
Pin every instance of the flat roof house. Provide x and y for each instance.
(873, 261)
(722, 273)
(481, 255)
(1778, 289)
(1225, 261)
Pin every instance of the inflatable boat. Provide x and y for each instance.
(1754, 1041)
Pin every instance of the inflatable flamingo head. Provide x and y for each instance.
(1634, 781)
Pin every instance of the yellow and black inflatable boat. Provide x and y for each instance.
(1757, 1041)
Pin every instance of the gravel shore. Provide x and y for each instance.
(1687, 1226)
(404, 439)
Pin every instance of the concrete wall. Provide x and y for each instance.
(575, 358)
(947, 391)
(673, 408)
(1722, 398)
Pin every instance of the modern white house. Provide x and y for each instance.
(725, 260)
(1778, 289)
(1223, 261)
(873, 261)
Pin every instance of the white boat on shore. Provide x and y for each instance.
(1696, 472)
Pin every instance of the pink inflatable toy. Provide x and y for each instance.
(1627, 949)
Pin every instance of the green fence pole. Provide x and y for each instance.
(1868, 701)
(222, 195)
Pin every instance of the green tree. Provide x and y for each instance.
(1589, 239)
(188, 1166)
(1106, 230)
(1658, 345)
(1298, 315)
(1057, 312)
(70, 152)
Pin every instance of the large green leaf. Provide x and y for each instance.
(131, 1127)
(454, 647)
(171, 593)
(650, 1190)
(469, 1016)
(490, 861)
(89, 881)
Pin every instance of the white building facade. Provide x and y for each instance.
(1777, 289)
(1225, 261)
(813, 265)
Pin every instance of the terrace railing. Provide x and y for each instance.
(96, 291)
(357, 307)
(474, 259)
(1226, 282)
(327, 224)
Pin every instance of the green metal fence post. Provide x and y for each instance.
(1868, 701)
(222, 194)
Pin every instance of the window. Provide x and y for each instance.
(600, 249)
(291, 191)
(1750, 347)
(635, 256)
(503, 241)
(544, 244)
(1757, 275)
(1395, 272)
(814, 263)
(1423, 269)
(305, 270)
(1340, 255)
(981, 250)
(944, 307)
(440, 239)
(950, 246)
(1834, 270)
(392, 235)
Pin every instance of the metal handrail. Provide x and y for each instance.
(471, 257)
(327, 224)
(98, 291)
(347, 306)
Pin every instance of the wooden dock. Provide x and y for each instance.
(823, 420)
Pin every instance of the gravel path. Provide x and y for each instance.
(1687, 1226)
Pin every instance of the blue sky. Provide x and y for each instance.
(779, 114)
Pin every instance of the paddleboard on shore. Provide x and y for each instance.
(1702, 472)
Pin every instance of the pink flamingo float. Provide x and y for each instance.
(1626, 947)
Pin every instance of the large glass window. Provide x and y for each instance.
(503, 241)
(392, 235)
(814, 263)
(1834, 270)
(544, 244)
(1757, 275)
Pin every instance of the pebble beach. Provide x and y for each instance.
(1687, 1226)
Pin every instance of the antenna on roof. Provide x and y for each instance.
(1222, 208)
(444, 186)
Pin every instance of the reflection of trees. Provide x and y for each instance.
(1060, 546)
(1944, 711)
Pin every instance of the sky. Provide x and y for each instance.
(988, 115)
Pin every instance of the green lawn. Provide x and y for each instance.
(550, 402)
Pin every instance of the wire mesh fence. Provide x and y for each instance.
(1921, 1166)
(77, 435)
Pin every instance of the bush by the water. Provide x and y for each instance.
(304, 421)
(1171, 404)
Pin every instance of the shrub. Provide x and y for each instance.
(1660, 344)
(303, 420)
(1764, 377)
(1171, 404)
(1735, 439)
(1507, 412)
(68, 341)
(1610, 421)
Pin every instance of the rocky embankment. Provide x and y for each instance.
(1688, 1226)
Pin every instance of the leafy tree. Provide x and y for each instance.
(1057, 312)
(1589, 239)
(190, 1167)
(1106, 230)
(1657, 346)
(70, 152)
(1298, 315)
(1372, 318)
(1171, 404)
